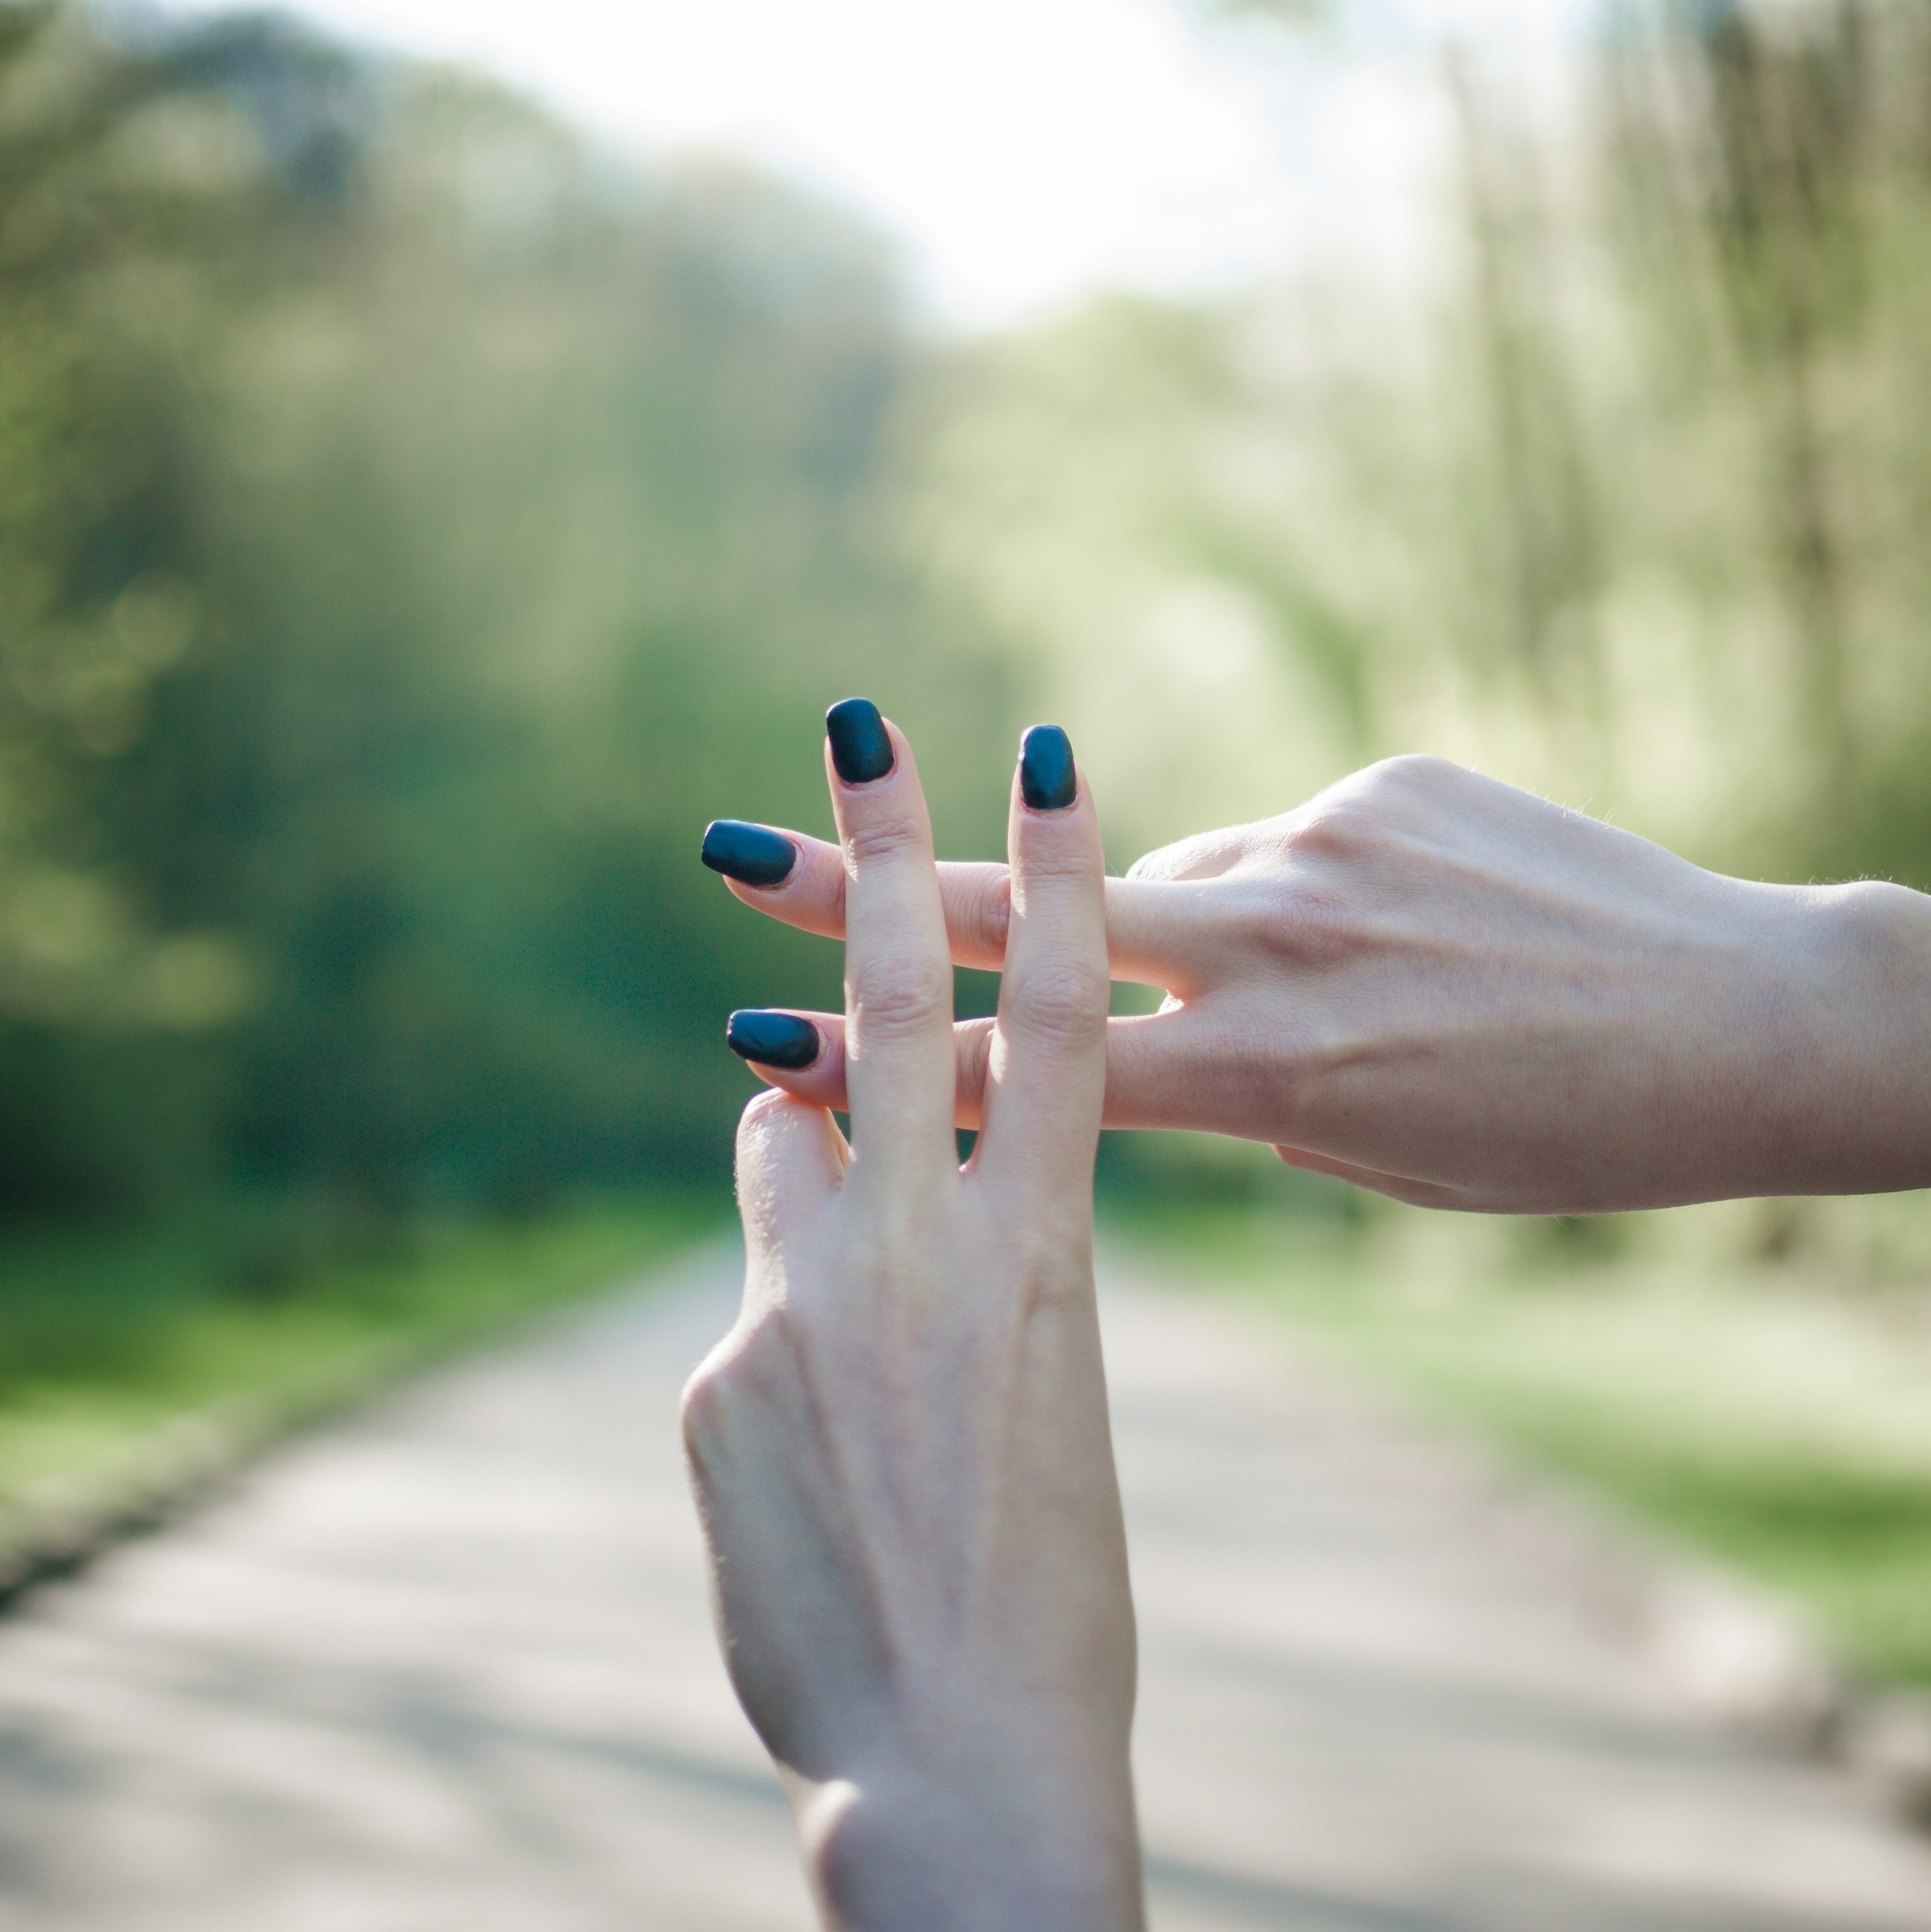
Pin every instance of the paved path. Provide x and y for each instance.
(447, 1668)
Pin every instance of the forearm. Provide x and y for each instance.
(1770, 1040)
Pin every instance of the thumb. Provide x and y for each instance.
(791, 1159)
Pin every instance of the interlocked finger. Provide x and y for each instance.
(1047, 1080)
(899, 1077)
(1158, 933)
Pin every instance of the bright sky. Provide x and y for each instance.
(1028, 151)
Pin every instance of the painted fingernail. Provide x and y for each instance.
(1048, 781)
(754, 855)
(861, 747)
(772, 1040)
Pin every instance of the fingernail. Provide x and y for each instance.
(772, 1040)
(1048, 781)
(752, 854)
(861, 747)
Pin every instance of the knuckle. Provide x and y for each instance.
(1312, 922)
(1058, 852)
(1370, 807)
(771, 1347)
(1342, 827)
(1210, 855)
(1064, 1003)
(701, 1407)
(902, 992)
(1169, 863)
(890, 835)
(1416, 773)
(1393, 787)
(754, 1368)
(1347, 850)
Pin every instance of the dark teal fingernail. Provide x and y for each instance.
(772, 1040)
(753, 854)
(1048, 781)
(861, 747)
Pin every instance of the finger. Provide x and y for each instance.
(899, 1073)
(1046, 1082)
(1160, 1069)
(790, 1159)
(821, 1078)
(1179, 938)
(1164, 935)
(809, 892)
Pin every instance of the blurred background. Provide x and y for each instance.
(447, 454)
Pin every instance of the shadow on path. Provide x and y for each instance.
(449, 1665)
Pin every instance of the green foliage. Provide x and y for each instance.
(1138, 516)
(413, 527)
(1615, 486)
(415, 524)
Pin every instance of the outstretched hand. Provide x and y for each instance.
(1441, 988)
(901, 1450)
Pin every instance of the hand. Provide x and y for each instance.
(1442, 989)
(901, 1451)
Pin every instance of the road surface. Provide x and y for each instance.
(446, 1666)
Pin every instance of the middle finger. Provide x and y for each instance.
(898, 971)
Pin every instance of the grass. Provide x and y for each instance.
(1765, 1415)
(1755, 1413)
(110, 1344)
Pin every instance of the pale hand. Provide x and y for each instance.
(1441, 988)
(901, 1451)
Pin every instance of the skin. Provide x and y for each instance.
(901, 1450)
(1445, 989)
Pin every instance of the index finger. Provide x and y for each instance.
(1172, 935)
(1046, 1081)
(798, 879)
(898, 973)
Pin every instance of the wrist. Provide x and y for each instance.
(1864, 1094)
(957, 1849)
